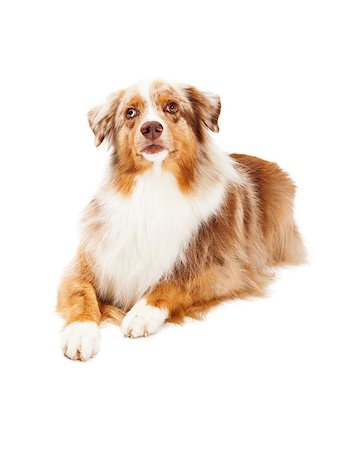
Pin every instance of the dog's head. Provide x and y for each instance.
(156, 122)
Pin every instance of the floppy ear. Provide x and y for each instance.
(206, 107)
(102, 118)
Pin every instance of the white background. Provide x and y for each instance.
(274, 373)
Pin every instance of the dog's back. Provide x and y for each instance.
(275, 192)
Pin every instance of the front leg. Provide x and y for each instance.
(143, 319)
(149, 314)
(78, 304)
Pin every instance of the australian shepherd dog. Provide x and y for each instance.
(177, 226)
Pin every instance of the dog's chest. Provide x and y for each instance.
(142, 236)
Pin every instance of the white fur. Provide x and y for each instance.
(156, 157)
(80, 340)
(151, 113)
(143, 235)
(143, 319)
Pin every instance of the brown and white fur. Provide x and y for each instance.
(177, 226)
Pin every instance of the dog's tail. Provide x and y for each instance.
(111, 314)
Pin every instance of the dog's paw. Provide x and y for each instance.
(80, 340)
(142, 320)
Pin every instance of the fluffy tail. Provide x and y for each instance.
(111, 314)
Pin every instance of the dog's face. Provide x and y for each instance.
(156, 121)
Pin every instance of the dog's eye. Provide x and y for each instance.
(172, 108)
(131, 113)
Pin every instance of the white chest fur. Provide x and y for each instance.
(143, 235)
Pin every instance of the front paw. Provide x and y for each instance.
(142, 320)
(80, 340)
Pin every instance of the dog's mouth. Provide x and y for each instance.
(153, 148)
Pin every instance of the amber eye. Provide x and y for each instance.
(131, 113)
(172, 108)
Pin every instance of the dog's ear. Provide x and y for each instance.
(102, 118)
(206, 107)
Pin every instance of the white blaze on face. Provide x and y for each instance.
(151, 114)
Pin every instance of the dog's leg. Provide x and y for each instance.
(143, 319)
(79, 306)
(150, 313)
(172, 301)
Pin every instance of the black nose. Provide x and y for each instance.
(151, 130)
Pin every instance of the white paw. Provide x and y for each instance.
(142, 320)
(80, 340)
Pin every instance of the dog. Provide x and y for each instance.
(177, 225)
